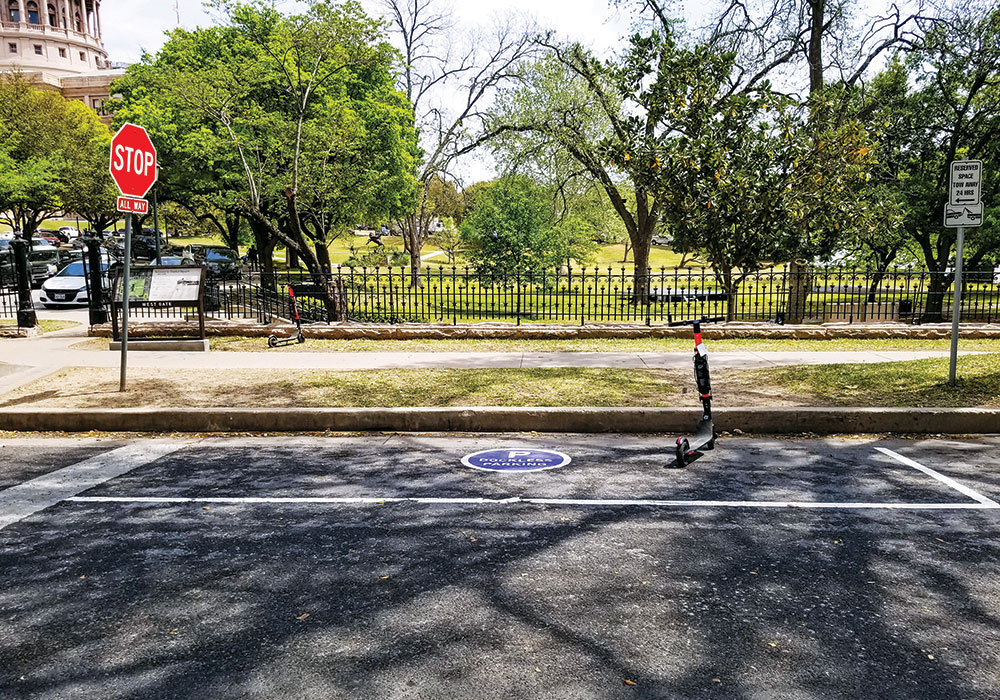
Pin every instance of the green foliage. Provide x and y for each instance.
(53, 156)
(291, 121)
(449, 239)
(381, 256)
(508, 230)
(575, 241)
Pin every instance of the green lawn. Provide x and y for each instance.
(54, 224)
(659, 256)
(45, 326)
(608, 255)
(920, 383)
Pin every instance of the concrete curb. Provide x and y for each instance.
(791, 420)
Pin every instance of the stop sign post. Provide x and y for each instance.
(133, 168)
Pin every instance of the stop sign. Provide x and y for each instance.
(133, 161)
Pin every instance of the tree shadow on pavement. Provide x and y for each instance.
(487, 601)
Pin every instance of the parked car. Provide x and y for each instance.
(222, 263)
(70, 232)
(44, 261)
(49, 236)
(68, 287)
(196, 251)
(144, 246)
(177, 260)
(6, 263)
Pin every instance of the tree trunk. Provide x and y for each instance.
(232, 234)
(799, 286)
(264, 242)
(323, 256)
(640, 275)
(628, 247)
(413, 245)
(873, 287)
(937, 288)
(292, 258)
(729, 287)
(817, 13)
(335, 301)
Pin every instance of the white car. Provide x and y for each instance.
(70, 232)
(69, 286)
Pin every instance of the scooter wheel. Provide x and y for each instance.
(301, 338)
(681, 453)
(272, 341)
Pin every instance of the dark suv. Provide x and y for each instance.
(222, 263)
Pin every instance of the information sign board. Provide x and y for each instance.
(163, 284)
(965, 183)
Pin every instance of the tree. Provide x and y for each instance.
(575, 241)
(303, 108)
(955, 113)
(447, 87)
(90, 192)
(508, 230)
(747, 177)
(591, 110)
(49, 150)
(449, 239)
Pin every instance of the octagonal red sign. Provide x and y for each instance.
(133, 161)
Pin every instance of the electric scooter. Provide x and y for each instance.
(274, 341)
(704, 433)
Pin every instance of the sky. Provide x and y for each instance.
(131, 26)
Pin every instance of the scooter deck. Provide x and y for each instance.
(704, 436)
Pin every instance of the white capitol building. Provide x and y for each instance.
(56, 44)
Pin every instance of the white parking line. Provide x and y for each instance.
(120, 461)
(599, 503)
(20, 501)
(947, 480)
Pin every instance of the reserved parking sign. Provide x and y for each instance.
(516, 459)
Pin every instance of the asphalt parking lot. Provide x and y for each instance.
(380, 566)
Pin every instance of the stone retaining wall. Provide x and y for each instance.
(406, 331)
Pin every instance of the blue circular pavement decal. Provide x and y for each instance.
(516, 460)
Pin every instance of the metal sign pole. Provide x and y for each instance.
(953, 368)
(126, 283)
(156, 226)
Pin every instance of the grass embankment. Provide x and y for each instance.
(919, 383)
(45, 326)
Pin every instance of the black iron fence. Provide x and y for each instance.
(456, 295)
(8, 301)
